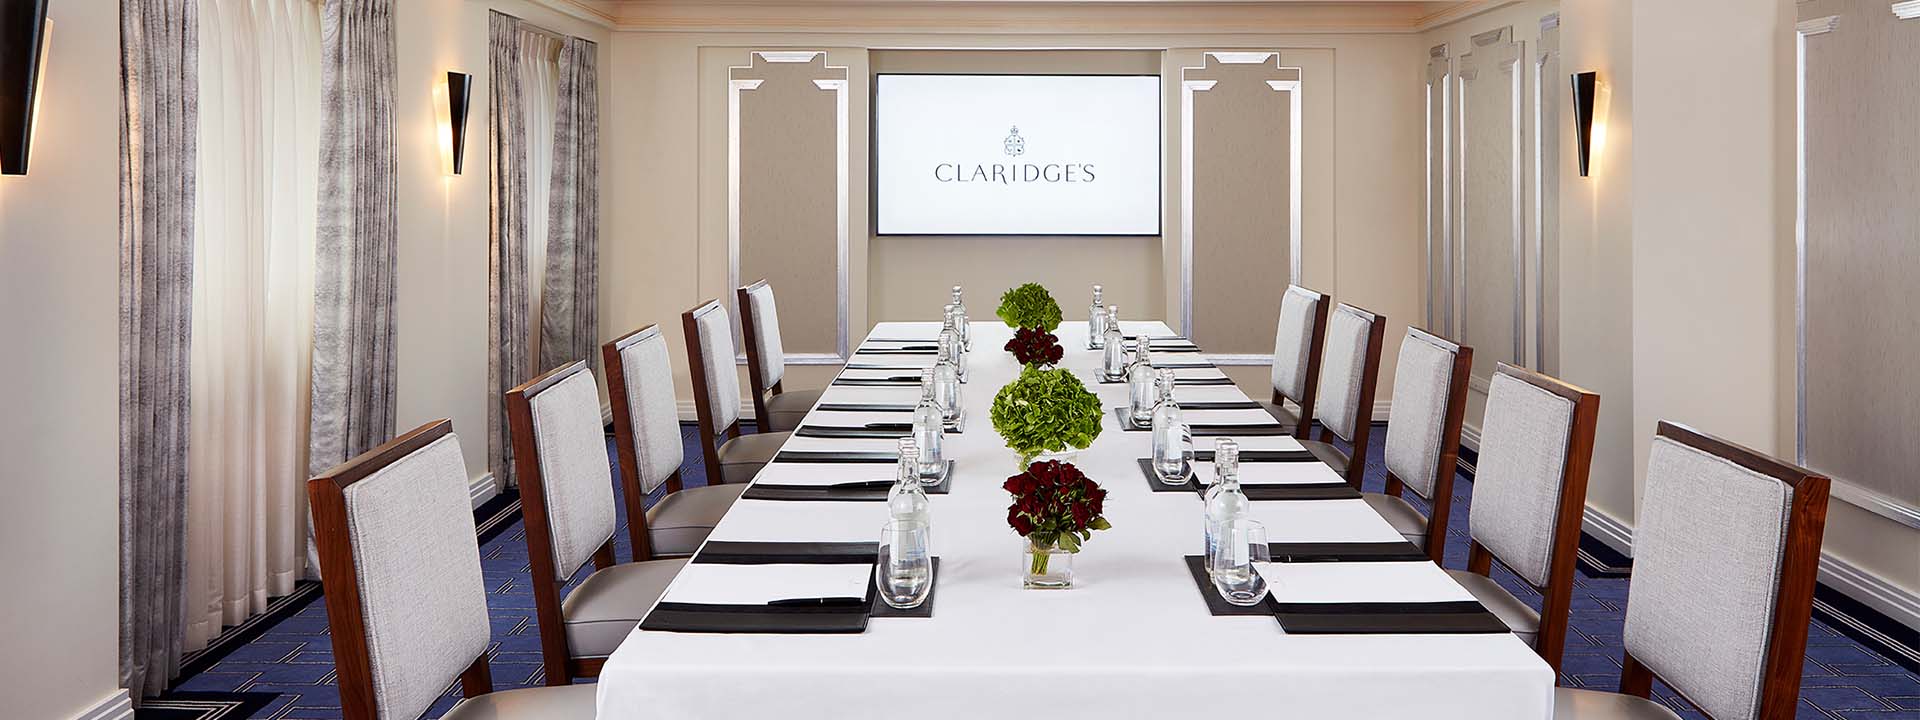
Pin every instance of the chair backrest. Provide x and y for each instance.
(1726, 550)
(406, 606)
(565, 477)
(1349, 376)
(1530, 488)
(716, 385)
(646, 423)
(1297, 342)
(760, 326)
(1423, 440)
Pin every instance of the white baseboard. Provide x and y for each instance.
(1609, 530)
(1381, 410)
(1891, 600)
(482, 489)
(689, 414)
(1470, 436)
(117, 705)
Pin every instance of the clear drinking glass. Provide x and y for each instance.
(1172, 444)
(1243, 543)
(904, 569)
(1114, 356)
(1096, 321)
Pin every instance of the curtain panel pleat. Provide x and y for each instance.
(507, 328)
(158, 142)
(569, 327)
(253, 307)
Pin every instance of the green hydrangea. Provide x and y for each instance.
(1046, 410)
(1029, 306)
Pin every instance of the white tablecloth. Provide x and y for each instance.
(1132, 639)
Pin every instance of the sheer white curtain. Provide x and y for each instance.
(252, 307)
(540, 88)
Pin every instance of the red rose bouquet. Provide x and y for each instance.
(1035, 347)
(1055, 506)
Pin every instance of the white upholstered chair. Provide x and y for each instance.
(1529, 493)
(777, 409)
(1423, 437)
(731, 457)
(1297, 342)
(1725, 553)
(646, 435)
(406, 607)
(566, 497)
(1349, 374)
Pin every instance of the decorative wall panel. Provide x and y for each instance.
(1240, 185)
(1439, 194)
(1489, 270)
(1860, 253)
(787, 205)
(1549, 86)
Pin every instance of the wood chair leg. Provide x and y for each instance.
(603, 557)
(1635, 679)
(477, 679)
(1479, 560)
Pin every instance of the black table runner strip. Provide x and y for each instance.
(878, 382)
(828, 493)
(824, 456)
(888, 351)
(763, 609)
(863, 407)
(1221, 405)
(1103, 379)
(1481, 622)
(1216, 605)
(1261, 456)
(666, 617)
(1300, 491)
(923, 610)
(733, 552)
(850, 433)
(1315, 552)
(1207, 429)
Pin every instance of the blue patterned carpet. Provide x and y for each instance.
(294, 658)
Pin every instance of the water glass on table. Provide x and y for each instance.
(1234, 576)
(903, 571)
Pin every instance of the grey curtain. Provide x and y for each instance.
(354, 251)
(569, 316)
(507, 199)
(159, 126)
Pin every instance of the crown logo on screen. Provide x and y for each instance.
(1015, 145)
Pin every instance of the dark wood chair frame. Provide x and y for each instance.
(346, 621)
(1363, 412)
(623, 425)
(1799, 570)
(711, 437)
(749, 329)
(1556, 597)
(1316, 342)
(555, 654)
(1443, 472)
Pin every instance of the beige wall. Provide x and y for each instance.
(442, 294)
(665, 184)
(59, 302)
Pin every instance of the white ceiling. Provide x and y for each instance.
(1033, 16)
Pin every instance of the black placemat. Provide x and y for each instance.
(1153, 480)
(1102, 378)
(736, 552)
(1216, 605)
(899, 381)
(864, 407)
(1261, 456)
(1207, 429)
(1299, 491)
(876, 491)
(851, 433)
(1313, 552)
(923, 610)
(1221, 405)
(1440, 618)
(835, 456)
(886, 351)
(735, 619)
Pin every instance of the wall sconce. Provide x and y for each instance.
(457, 91)
(1590, 100)
(23, 31)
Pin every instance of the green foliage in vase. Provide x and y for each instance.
(1046, 410)
(1029, 306)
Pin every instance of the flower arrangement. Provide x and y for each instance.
(1034, 347)
(1046, 410)
(1056, 508)
(1029, 306)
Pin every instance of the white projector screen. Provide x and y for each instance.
(1016, 154)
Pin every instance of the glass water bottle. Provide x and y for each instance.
(1096, 321)
(946, 381)
(1141, 386)
(952, 328)
(1172, 445)
(929, 429)
(1226, 506)
(1114, 362)
(906, 501)
(961, 321)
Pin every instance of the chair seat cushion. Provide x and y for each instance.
(1281, 413)
(1520, 617)
(1401, 515)
(742, 457)
(605, 607)
(1334, 457)
(565, 702)
(681, 521)
(786, 409)
(1577, 704)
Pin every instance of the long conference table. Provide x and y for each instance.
(1133, 638)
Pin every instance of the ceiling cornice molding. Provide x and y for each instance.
(1089, 17)
(598, 12)
(1461, 11)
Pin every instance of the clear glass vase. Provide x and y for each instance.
(1046, 567)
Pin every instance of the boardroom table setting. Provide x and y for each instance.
(800, 592)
